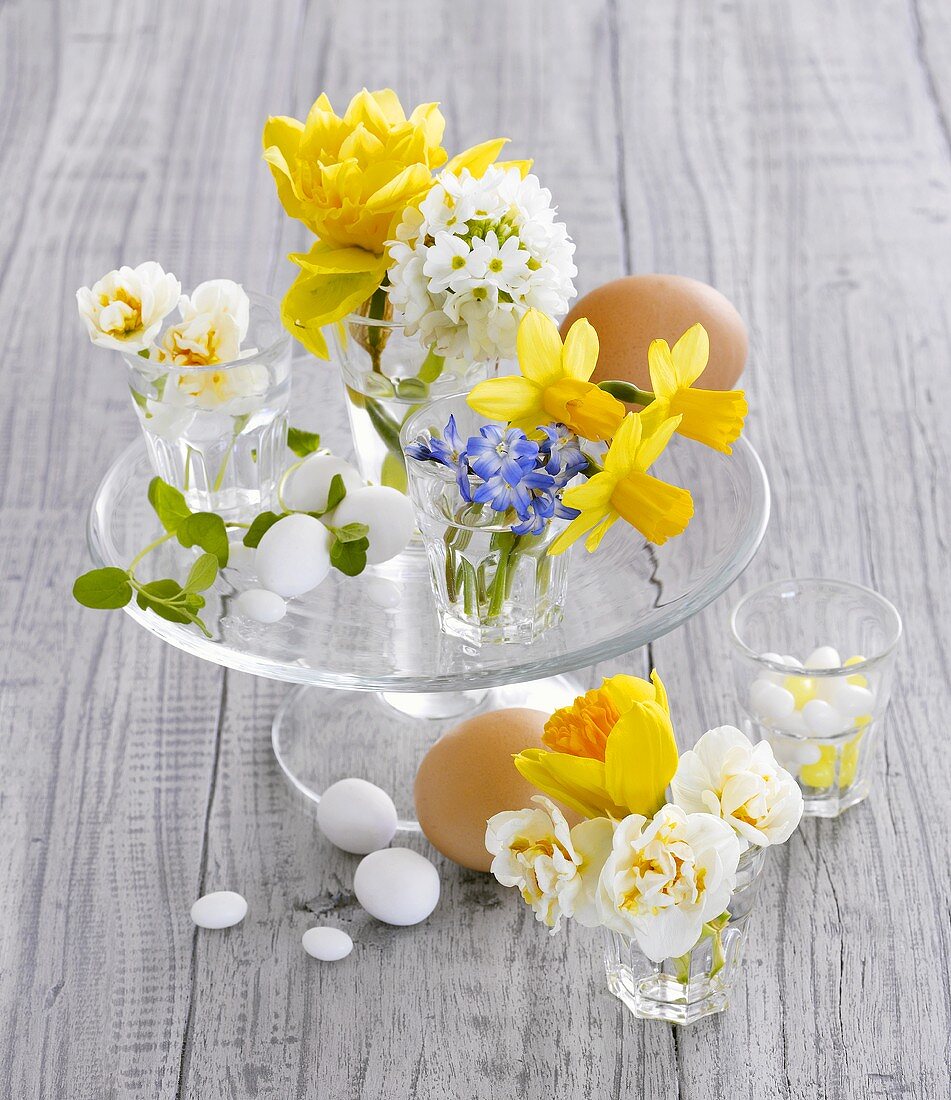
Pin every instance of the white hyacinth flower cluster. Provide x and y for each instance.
(474, 257)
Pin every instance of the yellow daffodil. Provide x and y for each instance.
(553, 385)
(713, 417)
(624, 490)
(614, 750)
(349, 180)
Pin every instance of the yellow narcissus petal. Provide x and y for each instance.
(428, 120)
(593, 541)
(361, 145)
(539, 348)
(661, 691)
(712, 417)
(653, 445)
(626, 690)
(580, 354)
(575, 530)
(400, 190)
(640, 759)
(575, 781)
(327, 258)
(660, 365)
(282, 138)
(510, 398)
(523, 166)
(583, 408)
(478, 158)
(658, 510)
(622, 454)
(389, 103)
(691, 354)
(316, 300)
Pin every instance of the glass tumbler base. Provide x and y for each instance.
(835, 803)
(656, 998)
(382, 737)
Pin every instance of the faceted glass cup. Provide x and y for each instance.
(685, 989)
(218, 433)
(490, 585)
(825, 724)
(387, 376)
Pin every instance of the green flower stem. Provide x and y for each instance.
(375, 336)
(500, 583)
(626, 391)
(148, 550)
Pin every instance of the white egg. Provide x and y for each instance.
(241, 557)
(356, 816)
(260, 605)
(294, 555)
(770, 701)
(388, 514)
(327, 944)
(851, 700)
(306, 487)
(822, 719)
(793, 723)
(397, 886)
(221, 909)
(793, 662)
(823, 657)
(793, 753)
(767, 673)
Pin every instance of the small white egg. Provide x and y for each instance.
(809, 753)
(241, 557)
(851, 700)
(793, 662)
(823, 657)
(306, 488)
(793, 753)
(768, 674)
(793, 723)
(357, 816)
(823, 719)
(260, 605)
(397, 886)
(294, 555)
(387, 513)
(770, 701)
(221, 909)
(384, 593)
(327, 944)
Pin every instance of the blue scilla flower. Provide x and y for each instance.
(544, 506)
(502, 453)
(563, 451)
(501, 496)
(448, 451)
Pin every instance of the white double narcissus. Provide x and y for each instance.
(125, 309)
(555, 868)
(666, 877)
(727, 776)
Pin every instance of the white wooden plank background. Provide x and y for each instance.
(797, 156)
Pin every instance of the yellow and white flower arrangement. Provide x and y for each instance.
(124, 310)
(659, 870)
(350, 179)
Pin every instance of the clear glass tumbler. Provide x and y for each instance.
(218, 433)
(387, 376)
(684, 990)
(490, 585)
(813, 662)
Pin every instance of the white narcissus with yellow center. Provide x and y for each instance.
(125, 309)
(727, 776)
(666, 877)
(554, 867)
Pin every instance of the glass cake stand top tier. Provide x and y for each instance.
(378, 631)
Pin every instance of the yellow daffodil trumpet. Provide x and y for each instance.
(554, 383)
(612, 751)
(349, 179)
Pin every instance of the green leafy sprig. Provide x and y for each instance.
(112, 587)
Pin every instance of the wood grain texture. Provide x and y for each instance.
(798, 157)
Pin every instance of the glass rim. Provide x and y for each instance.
(852, 586)
(407, 436)
(283, 337)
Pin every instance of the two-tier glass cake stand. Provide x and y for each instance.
(377, 680)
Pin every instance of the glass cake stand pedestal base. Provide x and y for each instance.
(386, 734)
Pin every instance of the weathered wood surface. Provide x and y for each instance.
(799, 157)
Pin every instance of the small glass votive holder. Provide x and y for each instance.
(490, 585)
(813, 662)
(218, 433)
(695, 985)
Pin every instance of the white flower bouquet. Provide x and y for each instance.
(672, 880)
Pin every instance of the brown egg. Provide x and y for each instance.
(630, 312)
(468, 776)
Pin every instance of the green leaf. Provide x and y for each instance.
(202, 574)
(207, 530)
(302, 443)
(350, 557)
(432, 366)
(103, 588)
(155, 596)
(259, 527)
(335, 493)
(351, 532)
(169, 504)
